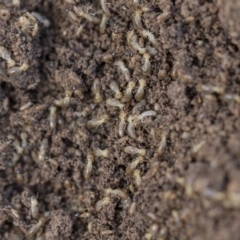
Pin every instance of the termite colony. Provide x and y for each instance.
(62, 133)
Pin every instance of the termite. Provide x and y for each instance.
(14, 212)
(148, 113)
(34, 229)
(101, 153)
(128, 92)
(132, 208)
(151, 50)
(162, 74)
(67, 183)
(135, 151)
(18, 146)
(26, 106)
(132, 41)
(132, 166)
(43, 148)
(96, 91)
(24, 143)
(95, 123)
(137, 177)
(123, 69)
(80, 30)
(139, 106)
(53, 117)
(140, 92)
(85, 215)
(136, 3)
(88, 169)
(146, 67)
(103, 23)
(197, 147)
(19, 176)
(5, 145)
(18, 70)
(101, 203)
(116, 192)
(73, 16)
(34, 207)
(115, 87)
(213, 89)
(163, 143)
(42, 19)
(88, 17)
(162, 17)
(105, 7)
(114, 103)
(137, 18)
(5, 54)
(35, 30)
(122, 123)
(130, 127)
(4, 13)
(150, 36)
(107, 232)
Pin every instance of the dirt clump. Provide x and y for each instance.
(119, 119)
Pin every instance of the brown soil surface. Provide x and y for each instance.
(58, 63)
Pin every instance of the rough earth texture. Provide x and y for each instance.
(58, 61)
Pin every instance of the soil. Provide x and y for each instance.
(58, 63)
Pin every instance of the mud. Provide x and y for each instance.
(58, 61)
